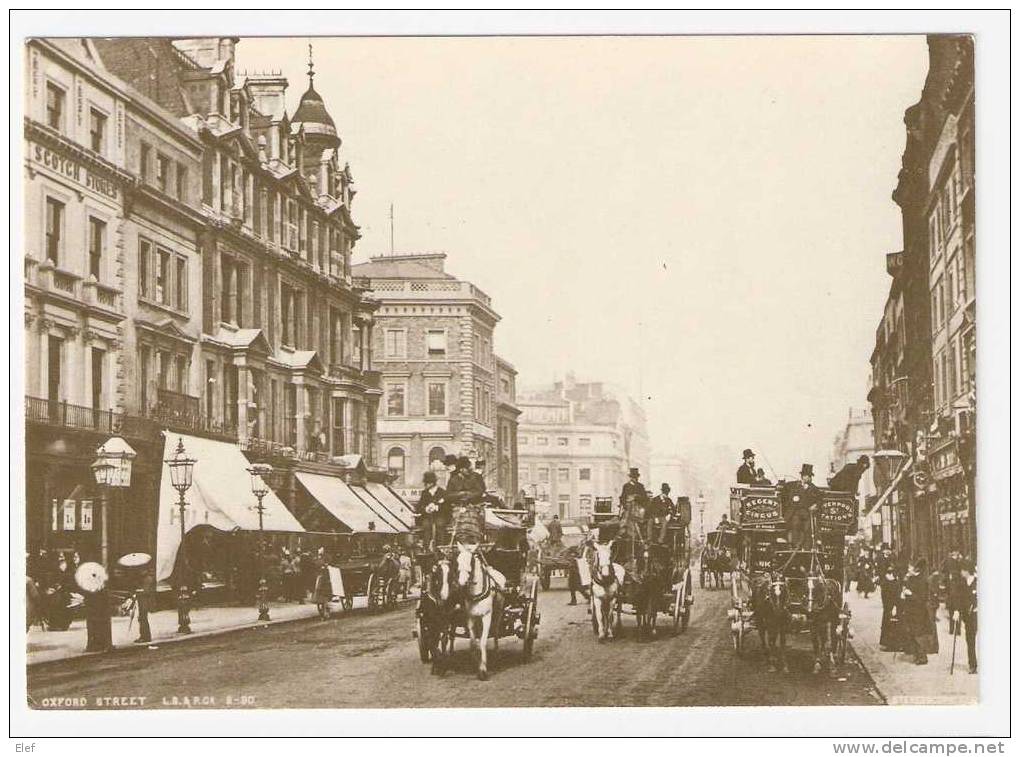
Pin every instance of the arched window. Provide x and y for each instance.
(436, 455)
(395, 463)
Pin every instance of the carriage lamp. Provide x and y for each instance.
(182, 470)
(260, 473)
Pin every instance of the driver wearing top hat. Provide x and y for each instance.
(799, 504)
(747, 473)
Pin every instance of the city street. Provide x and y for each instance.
(370, 660)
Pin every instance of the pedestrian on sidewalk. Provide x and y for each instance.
(950, 579)
(919, 627)
(865, 575)
(58, 595)
(145, 598)
(965, 612)
(890, 589)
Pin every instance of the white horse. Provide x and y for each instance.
(606, 579)
(482, 586)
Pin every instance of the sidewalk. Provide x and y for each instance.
(896, 675)
(48, 646)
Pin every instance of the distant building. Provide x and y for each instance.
(576, 442)
(857, 438)
(434, 347)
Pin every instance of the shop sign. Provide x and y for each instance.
(69, 519)
(86, 515)
(73, 170)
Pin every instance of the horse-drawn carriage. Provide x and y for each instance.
(778, 587)
(634, 575)
(717, 557)
(359, 566)
(478, 591)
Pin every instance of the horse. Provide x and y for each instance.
(717, 561)
(606, 579)
(438, 607)
(482, 599)
(824, 601)
(770, 601)
(648, 587)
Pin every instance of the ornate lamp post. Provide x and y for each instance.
(259, 472)
(701, 509)
(182, 470)
(112, 470)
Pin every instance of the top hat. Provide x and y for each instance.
(807, 469)
(665, 487)
(748, 453)
(635, 472)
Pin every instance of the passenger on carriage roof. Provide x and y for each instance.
(801, 499)
(746, 473)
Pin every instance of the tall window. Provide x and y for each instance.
(543, 475)
(55, 348)
(396, 343)
(435, 342)
(395, 464)
(54, 229)
(395, 404)
(563, 475)
(144, 156)
(338, 420)
(437, 398)
(291, 414)
(292, 224)
(181, 284)
(97, 131)
(97, 243)
(584, 474)
(144, 253)
(436, 455)
(54, 106)
(289, 313)
(210, 384)
(97, 378)
(162, 171)
(163, 294)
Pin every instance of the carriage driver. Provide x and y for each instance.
(633, 502)
(433, 510)
(802, 500)
(747, 473)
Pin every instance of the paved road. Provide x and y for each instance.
(371, 661)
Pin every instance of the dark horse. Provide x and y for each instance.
(823, 602)
(770, 601)
(438, 613)
(650, 579)
(716, 562)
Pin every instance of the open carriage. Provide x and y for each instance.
(441, 615)
(360, 566)
(656, 577)
(783, 587)
(717, 557)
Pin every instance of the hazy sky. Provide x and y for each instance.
(703, 220)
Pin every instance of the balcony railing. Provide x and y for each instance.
(351, 373)
(66, 415)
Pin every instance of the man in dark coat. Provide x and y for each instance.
(916, 617)
(555, 529)
(889, 586)
(965, 611)
(633, 503)
(145, 599)
(800, 502)
(433, 510)
(464, 492)
(659, 511)
(747, 473)
(849, 477)
(950, 577)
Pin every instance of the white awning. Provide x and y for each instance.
(341, 501)
(393, 503)
(220, 495)
(891, 488)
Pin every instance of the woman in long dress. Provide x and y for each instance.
(865, 576)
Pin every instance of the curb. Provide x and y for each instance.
(180, 638)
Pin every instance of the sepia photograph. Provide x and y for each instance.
(446, 371)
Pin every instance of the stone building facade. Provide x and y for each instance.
(923, 377)
(434, 346)
(576, 442)
(187, 267)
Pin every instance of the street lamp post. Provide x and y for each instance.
(259, 472)
(701, 508)
(182, 470)
(112, 470)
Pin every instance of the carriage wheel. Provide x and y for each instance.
(373, 592)
(390, 593)
(419, 631)
(678, 607)
(531, 621)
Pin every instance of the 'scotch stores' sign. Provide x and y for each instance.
(73, 169)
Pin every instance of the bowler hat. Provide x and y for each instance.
(429, 477)
(463, 462)
(450, 460)
(807, 469)
(748, 453)
(635, 472)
